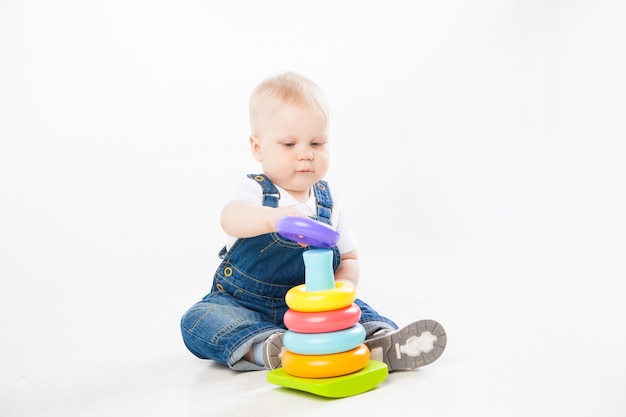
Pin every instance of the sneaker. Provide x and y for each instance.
(415, 345)
(273, 350)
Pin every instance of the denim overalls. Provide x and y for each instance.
(247, 301)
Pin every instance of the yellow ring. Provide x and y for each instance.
(326, 366)
(341, 296)
(259, 178)
(228, 271)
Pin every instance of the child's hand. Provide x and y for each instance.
(281, 212)
(286, 212)
(247, 219)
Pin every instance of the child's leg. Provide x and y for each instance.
(220, 329)
(415, 345)
(372, 321)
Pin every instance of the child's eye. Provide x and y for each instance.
(288, 144)
(317, 144)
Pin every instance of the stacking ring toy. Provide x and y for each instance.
(322, 321)
(341, 296)
(307, 231)
(324, 343)
(326, 366)
(325, 353)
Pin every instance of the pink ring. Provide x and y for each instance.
(322, 321)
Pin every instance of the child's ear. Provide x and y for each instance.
(255, 147)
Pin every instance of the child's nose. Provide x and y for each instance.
(305, 154)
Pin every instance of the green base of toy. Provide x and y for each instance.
(337, 387)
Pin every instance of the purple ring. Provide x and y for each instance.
(307, 231)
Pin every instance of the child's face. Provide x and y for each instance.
(292, 145)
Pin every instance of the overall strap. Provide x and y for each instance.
(324, 201)
(270, 192)
(323, 197)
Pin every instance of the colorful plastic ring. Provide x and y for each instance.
(326, 366)
(341, 296)
(322, 321)
(324, 343)
(307, 231)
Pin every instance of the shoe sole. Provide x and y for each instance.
(418, 344)
(273, 351)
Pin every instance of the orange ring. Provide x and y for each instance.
(326, 366)
(299, 299)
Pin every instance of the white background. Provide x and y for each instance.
(478, 146)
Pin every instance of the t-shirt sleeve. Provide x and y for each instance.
(248, 190)
(347, 240)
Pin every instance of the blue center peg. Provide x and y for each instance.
(319, 274)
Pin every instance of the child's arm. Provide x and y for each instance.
(348, 268)
(246, 219)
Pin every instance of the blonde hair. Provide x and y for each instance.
(287, 88)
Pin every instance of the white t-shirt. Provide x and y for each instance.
(250, 190)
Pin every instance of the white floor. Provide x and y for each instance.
(478, 146)
(90, 321)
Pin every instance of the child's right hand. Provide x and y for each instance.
(281, 212)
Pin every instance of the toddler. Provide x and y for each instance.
(240, 322)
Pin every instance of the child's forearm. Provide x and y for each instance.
(348, 268)
(245, 219)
